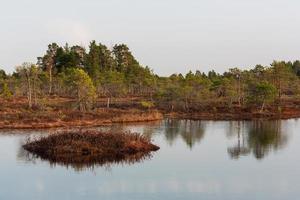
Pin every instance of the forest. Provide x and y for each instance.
(84, 80)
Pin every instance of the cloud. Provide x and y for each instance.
(69, 31)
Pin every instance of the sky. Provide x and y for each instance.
(169, 36)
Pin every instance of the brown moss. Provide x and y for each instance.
(59, 113)
(91, 147)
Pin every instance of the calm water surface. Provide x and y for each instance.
(197, 160)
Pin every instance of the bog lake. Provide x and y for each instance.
(214, 160)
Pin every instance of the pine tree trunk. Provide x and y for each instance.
(29, 93)
(262, 107)
(108, 102)
(186, 104)
(239, 92)
(34, 91)
(50, 81)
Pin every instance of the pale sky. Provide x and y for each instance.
(167, 35)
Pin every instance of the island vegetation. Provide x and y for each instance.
(89, 148)
(71, 85)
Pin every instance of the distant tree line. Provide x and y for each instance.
(102, 72)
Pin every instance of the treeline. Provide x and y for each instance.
(84, 75)
(256, 87)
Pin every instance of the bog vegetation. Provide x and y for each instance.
(87, 148)
(87, 74)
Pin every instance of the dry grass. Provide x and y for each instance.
(59, 113)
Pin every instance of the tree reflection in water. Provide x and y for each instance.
(190, 131)
(257, 138)
(235, 128)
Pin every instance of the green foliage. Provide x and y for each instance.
(2, 74)
(282, 72)
(113, 84)
(181, 92)
(98, 62)
(296, 67)
(262, 93)
(30, 81)
(124, 58)
(57, 59)
(6, 93)
(93, 61)
(147, 104)
(78, 72)
(80, 83)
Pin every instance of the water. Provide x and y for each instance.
(197, 160)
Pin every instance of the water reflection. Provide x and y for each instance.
(250, 138)
(256, 137)
(84, 162)
(191, 132)
(240, 148)
(175, 172)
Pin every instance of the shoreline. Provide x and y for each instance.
(130, 118)
(144, 117)
(14, 115)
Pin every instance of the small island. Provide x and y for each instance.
(91, 148)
